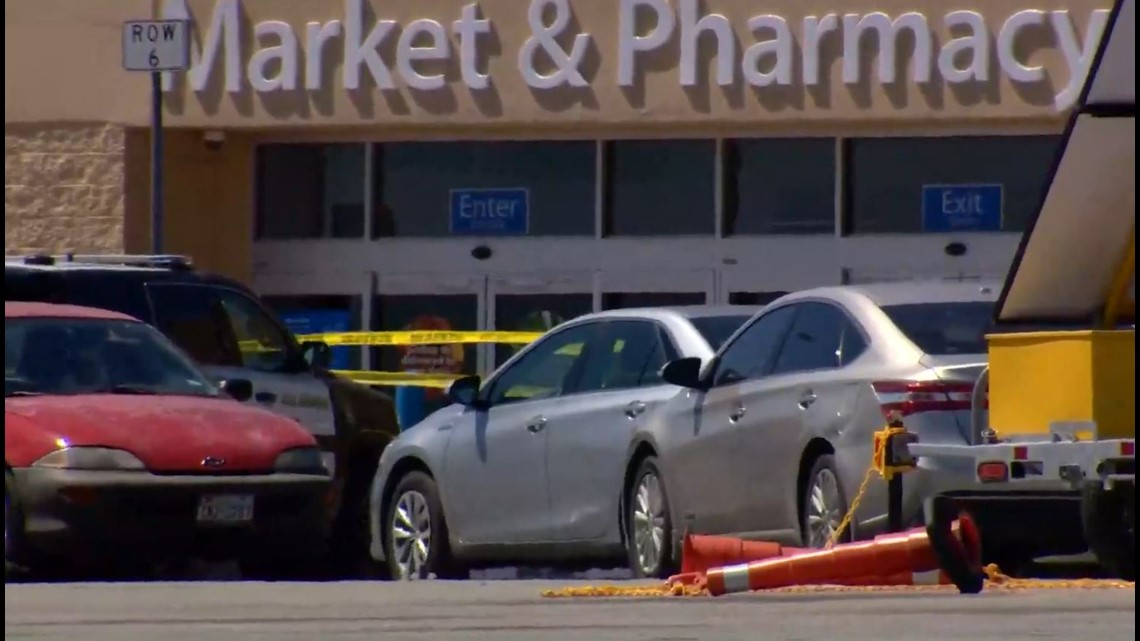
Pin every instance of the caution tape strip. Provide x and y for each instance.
(401, 379)
(341, 339)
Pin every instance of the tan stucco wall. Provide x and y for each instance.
(208, 200)
(64, 187)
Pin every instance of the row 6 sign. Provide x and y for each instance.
(770, 60)
(156, 45)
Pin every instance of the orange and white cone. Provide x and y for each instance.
(931, 577)
(701, 552)
(886, 556)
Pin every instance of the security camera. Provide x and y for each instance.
(213, 139)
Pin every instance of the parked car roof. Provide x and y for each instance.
(915, 291)
(54, 310)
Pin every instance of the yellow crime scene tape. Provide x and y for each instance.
(372, 339)
(405, 339)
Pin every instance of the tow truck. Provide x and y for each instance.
(1058, 400)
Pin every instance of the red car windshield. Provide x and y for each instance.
(64, 356)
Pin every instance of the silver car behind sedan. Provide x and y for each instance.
(773, 436)
(539, 465)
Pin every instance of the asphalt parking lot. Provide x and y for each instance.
(515, 611)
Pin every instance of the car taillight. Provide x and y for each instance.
(1128, 448)
(913, 397)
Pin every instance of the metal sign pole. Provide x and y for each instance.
(156, 189)
(156, 46)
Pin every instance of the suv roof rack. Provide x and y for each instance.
(157, 261)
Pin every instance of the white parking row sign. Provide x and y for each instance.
(156, 45)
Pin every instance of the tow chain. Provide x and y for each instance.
(846, 521)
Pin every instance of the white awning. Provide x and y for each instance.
(1068, 260)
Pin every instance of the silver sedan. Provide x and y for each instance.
(773, 436)
(539, 464)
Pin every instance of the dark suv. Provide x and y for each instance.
(227, 329)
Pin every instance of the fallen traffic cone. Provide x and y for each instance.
(931, 577)
(887, 555)
(702, 552)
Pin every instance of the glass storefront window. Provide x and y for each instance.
(310, 191)
(414, 184)
(779, 186)
(535, 313)
(660, 187)
(426, 312)
(911, 185)
(630, 300)
(318, 314)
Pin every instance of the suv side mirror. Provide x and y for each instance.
(238, 388)
(684, 372)
(317, 354)
(465, 391)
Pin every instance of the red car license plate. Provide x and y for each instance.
(225, 508)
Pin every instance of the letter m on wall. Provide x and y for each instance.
(221, 36)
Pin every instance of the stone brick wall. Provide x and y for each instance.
(64, 187)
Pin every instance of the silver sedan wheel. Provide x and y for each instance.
(411, 535)
(823, 508)
(649, 523)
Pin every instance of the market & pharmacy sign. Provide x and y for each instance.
(280, 63)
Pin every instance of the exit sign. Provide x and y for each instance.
(961, 208)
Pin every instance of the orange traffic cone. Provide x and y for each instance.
(702, 552)
(887, 555)
(932, 577)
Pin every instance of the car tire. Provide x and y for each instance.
(649, 524)
(349, 556)
(1109, 520)
(425, 548)
(823, 498)
(13, 530)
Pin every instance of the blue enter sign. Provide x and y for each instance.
(959, 208)
(490, 212)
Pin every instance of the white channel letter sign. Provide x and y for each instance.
(280, 63)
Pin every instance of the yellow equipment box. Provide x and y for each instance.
(1037, 378)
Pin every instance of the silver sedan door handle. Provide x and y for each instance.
(634, 409)
(737, 413)
(536, 424)
(807, 399)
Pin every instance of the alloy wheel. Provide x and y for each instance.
(411, 535)
(649, 523)
(823, 508)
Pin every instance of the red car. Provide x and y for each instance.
(119, 453)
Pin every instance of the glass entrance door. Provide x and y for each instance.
(665, 288)
(428, 302)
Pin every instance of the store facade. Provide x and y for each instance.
(505, 163)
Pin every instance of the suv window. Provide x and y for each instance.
(29, 286)
(106, 290)
(263, 344)
(547, 370)
(751, 353)
(814, 341)
(193, 317)
(631, 355)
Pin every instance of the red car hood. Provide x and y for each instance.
(168, 433)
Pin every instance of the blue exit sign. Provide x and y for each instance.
(961, 208)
